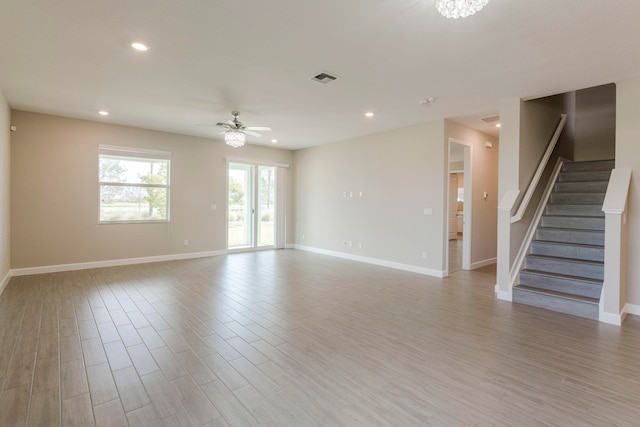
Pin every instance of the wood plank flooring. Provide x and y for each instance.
(289, 338)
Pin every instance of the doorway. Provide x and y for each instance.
(251, 206)
(459, 207)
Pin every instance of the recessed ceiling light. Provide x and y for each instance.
(140, 46)
(275, 141)
(103, 112)
(498, 125)
(369, 114)
(428, 100)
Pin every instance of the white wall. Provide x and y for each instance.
(5, 186)
(54, 186)
(400, 173)
(628, 156)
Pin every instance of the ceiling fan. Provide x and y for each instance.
(236, 124)
(235, 133)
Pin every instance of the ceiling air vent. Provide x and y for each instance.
(491, 119)
(323, 78)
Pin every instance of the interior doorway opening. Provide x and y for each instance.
(458, 252)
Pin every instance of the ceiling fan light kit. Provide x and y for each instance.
(459, 8)
(235, 138)
(235, 135)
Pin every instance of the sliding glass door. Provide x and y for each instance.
(251, 206)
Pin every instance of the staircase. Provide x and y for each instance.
(565, 266)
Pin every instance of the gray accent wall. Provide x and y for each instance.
(595, 123)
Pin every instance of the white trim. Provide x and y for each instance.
(255, 162)
(5, 281)
(111, 263)
(612, 319)
(290, 246)
(116, 150)
(484, 263)
(632, 309)
(467, 208)
(375, 261)
(505, 296)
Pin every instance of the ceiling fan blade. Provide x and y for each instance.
(205, 125)
(258, 128)
(226, 125)
(252, 133)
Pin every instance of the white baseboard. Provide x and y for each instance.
(375, 261)
(618, 319)
(110, 263)
(5, 281)
(611, 318)
(290, 246)
(484, 263)
(505, 296)
(632, 309)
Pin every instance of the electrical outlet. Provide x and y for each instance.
(344, 243)
(350, 243)
(360, 245)
(424, 255)
(186, 242)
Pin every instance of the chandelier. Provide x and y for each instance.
(459, 8)
(234, 138)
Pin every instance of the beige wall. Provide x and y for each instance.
(400, 173)
(484, 178)
(54, 207)
(5, 175)
(628, 156)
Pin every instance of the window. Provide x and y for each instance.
(134, 185)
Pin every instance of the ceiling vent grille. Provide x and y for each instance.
(491, 119)
(324, 78)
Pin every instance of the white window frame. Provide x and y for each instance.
(134, 154)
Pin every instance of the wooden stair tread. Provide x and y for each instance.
(562, 276)
(581, 245)
(572, 297)
(555, 258)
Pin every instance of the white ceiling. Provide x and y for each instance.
(208, 57)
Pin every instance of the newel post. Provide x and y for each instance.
(503, 273)
(614, 287)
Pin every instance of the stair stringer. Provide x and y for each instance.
(514, 273)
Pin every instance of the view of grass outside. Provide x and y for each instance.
(240, 201)
(133, 189)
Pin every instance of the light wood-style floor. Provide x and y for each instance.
(289, 338)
